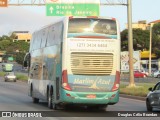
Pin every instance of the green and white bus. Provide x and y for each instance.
(7, 67)
(75, 60)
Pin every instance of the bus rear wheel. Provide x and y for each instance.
(50, 100)
(98, 107)
(103, 107)
(35, 100)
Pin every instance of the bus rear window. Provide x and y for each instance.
(92, 26)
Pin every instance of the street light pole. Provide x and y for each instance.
(130, 44)
(150, 49)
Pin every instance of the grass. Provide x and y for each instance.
(21, 77)
(141, 89)
(2, 74)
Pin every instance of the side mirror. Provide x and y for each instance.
(25, 64)
(150, 89)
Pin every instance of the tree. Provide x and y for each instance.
(13, 35)
(156, 39)
(20, 57)
(5, 37)
(140, 39)
(17, 49)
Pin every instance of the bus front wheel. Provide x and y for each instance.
(35, 100)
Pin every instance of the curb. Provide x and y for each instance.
(133, 97)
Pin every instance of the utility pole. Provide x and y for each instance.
(150, 49)
(130, 44)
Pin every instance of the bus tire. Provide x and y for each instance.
(95, 107)
(103, 107)
(54, 106)
(50, 99)
(35, 100)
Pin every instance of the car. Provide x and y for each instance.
(10, 76)
(138, 74)
(153, 97)
(145, 72)
(156, 74)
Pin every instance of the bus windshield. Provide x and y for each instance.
(92, 28)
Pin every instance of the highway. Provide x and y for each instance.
(14, 97)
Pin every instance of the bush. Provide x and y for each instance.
(21, 77)
(140, 90)
(2, 74)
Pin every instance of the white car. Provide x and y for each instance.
(10, 76)
(156, 74)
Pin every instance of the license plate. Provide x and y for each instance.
(91, 96)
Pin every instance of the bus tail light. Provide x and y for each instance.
(65, 84)
(117, 81)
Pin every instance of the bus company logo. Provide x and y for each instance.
(6, 114)
(92, 82)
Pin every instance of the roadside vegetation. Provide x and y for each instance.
(141, 39)
(18, 75)
(141, 89)
(22, 77)
(2, 74)
(16, 49)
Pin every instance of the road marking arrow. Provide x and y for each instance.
(51, 9)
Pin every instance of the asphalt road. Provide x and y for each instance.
(14, 97)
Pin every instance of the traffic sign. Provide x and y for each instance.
(72, 7)
(3, 3)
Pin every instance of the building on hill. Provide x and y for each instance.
(22, 36)
(143, 24)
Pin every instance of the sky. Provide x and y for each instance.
(31, 18)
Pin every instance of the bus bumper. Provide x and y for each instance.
(70, 97)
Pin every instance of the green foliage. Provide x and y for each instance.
(21, 77)
(140, 90)
(20, 57)
(16, 49)
(140, 39)
(2, 74)
(156, 39)
(18, 75)
(5, 37)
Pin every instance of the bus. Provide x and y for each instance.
(7, 67)
(75, 60)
